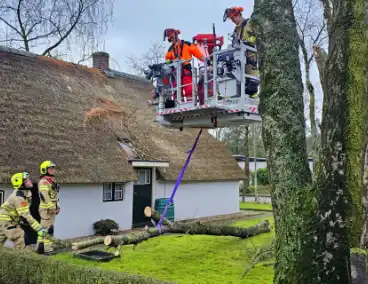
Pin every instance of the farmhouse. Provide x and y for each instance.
(110, 164)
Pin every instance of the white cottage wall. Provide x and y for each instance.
(5, 191)
(201, 199)
(82, 205)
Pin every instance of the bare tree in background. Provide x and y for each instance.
(312, 31)
(154, 55)
(51, 25)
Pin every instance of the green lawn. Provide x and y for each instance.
(192, 259)
(255, 206)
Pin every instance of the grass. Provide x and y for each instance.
(255, 206)
(193, 259)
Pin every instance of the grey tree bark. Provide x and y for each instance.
(338, 222)
(282, 111)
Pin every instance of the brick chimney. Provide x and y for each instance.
(101, 60)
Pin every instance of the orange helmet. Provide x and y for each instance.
(170, 33)
(231, 12)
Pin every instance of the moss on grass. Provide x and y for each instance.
(255, 206)
(193, 258)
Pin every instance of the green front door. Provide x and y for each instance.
(142, 197)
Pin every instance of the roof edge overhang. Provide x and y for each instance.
(149, 163)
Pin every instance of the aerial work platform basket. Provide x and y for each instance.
(221, 92)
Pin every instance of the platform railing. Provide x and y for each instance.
(178, 65)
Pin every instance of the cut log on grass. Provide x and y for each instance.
(150, 213)
(89, 243)
(192, 229)
(132, 239)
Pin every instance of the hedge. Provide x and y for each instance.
(27, 267)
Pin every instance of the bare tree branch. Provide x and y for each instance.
(154, 55)
(63, 37)
(311, 29)
(55, 24)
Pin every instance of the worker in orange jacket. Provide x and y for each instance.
(182, 50)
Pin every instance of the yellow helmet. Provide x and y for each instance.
(18, 179)
(45, 165)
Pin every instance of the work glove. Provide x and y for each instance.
(52, 211)
(41, 233)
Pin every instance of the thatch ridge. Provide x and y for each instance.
(44, 102)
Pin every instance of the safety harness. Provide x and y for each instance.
(188, 67)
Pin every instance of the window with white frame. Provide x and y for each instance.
(144, 177)
(113, 192)
(2, 197)
(118, 191)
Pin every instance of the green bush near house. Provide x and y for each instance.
(105, 227)
(26, 267)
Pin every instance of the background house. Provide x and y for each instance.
(259, 163)
(108, 167)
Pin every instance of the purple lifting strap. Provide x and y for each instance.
(178, 181)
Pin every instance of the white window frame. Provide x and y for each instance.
(111, 190)
(120, 191)
(147, 177)
(2, 197)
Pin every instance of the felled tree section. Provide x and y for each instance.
(195, 228)
(282, 112)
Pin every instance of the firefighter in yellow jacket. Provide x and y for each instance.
(49, 200)
(16, 210)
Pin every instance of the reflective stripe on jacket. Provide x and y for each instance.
(15, 208)
(48, 195)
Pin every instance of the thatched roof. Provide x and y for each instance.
(43, 103)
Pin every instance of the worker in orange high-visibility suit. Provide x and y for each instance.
(182, 50)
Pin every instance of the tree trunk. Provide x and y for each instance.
(282, 111)
(150, 213)
(338, 222)
(89, 243)
(320, 56)
(246, 161)
(191, 229)
(358, 259)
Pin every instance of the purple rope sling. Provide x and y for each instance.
(178, 181)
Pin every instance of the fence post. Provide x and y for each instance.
(358, 265)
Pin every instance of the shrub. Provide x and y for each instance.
(261, 189)
(105, 227)
(27, 267)
(262, 176)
